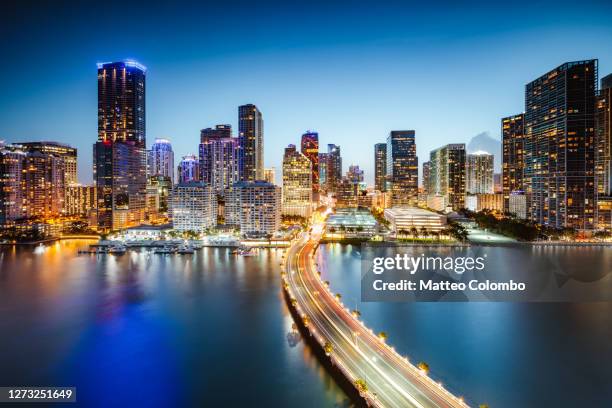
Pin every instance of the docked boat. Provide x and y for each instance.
(165, 250)
(117, 249)
(185, 249)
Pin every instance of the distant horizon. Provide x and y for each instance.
(449, 72)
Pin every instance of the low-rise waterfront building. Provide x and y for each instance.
(350, 223)
(406, 218)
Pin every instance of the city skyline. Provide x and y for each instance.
(195, 84)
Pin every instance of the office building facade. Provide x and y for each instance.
(448, 175)
(479, 173)
(380, 166)
(560, 146)
(119, 154)
(297, 183)
(513, 156)
(402, 167)
(250, 134)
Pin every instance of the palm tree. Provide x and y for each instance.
(423, 232)
(361, 386)
(356, 313)
(383, 336)
(423, 366)
(328, 347)
(414, 232)
(338, 297)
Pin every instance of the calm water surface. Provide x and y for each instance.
(504, 354)
(208, 329)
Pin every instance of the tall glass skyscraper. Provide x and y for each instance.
(219, 158)
(333, 168)
(513, 152)
(310, 149)
(160, 160)
(559, 146)
(402, 167)
(479, 173)
(119, 154)
(447, 174)
(603, 155)
(380, 166)
(250, 134)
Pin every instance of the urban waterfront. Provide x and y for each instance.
(189, 329)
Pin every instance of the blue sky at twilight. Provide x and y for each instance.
(352, 71)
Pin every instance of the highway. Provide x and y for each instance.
(391, 380)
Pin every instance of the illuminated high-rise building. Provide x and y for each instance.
(253, 208)
(80, 200)
(380, 166)
(250, 134)
(603, 155)
(355, 174)
(194, 207)
(323, 172)
(67, 153)
(12, 206)
(402, 167)
(513, 156)
(560, 146)
(479, 173)
(218, 132)
(310, 149)
(160, 160)
(297, 183)
(426, 178)
(43, 185)
(189, 169)
(270, 175)
(119, 154)
(447, 178)
(333, 168)
(219, 159)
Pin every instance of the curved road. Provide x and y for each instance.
(390, 378)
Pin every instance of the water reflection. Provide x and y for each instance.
(504, 354)
(144, 329)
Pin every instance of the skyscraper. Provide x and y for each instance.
(354, 174)
(270, 175)
(402, 167)
(380, 166)
(11, 187)
(43, 185)
(160, 160)
(333, 166)
(189, 169)
(426, 178)
(297, 183)
(513, 152)
(479, 173)
(250, 134)
(323, 158)
(119, 153)
(219, 132)
(559, 146)
(67, 153)
(219, 159)
(603, 155)
(447, 178)
(310, 149)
